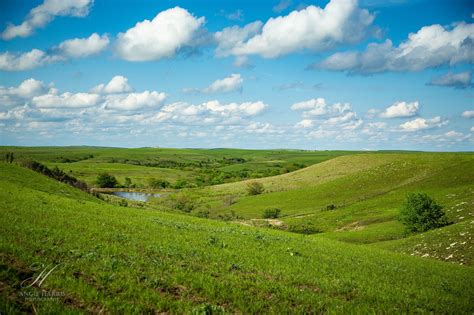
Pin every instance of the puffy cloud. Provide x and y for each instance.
(331, 118)
(317, 104)
(449, 137)
(27, 88)
(263, 128)
(111, 96)
(73, 48)
(66, 100)
(468, 114)
(44, 13)
(319, 107)
(228, 84)
(431, 46)
(453, 134)
(422, 124)
(118, 84)
(18, 95)
(312, 28)
(24, 61)
(234, 36)
(134, 101)
(162, 37)
(17, 113)
(401, 109)
(305, 123)
(459, 80)
(83, 47)
(211, 112)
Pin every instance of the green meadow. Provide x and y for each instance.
(336, 246)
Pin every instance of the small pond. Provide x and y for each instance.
(137, 196)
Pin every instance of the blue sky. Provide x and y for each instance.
(337, 74)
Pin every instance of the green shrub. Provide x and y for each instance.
(182, 202)
(255, 188)
(229, 200)
(271, 213)
(105, 180)
(421, 213)
(8, 157)
(203, 214)
(158, 183)
(305, 228)
(180, 183)
(128, 182)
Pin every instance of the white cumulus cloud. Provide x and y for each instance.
(83, 47)
(66, 100)
(44, 13)
(24, 61)
(230, 83)
(305, 123)
(401, 109)
(118, 84)
(162, 37)
(18, 95)
(72, 48)
(468, 114)
(312, 28)
(134, 101)
(422, 124)
(431, 46)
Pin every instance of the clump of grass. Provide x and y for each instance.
(255, 188)
(271, 213)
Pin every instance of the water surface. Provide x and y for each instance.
(137, 196)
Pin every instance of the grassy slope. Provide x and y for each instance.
(111, 255)
(367, 190)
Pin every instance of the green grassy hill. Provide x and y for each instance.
(366, 190)
(108, 256)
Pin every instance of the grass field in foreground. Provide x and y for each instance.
(109, 256)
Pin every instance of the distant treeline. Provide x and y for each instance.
(56, 174)
(208, 172)
(165, 163)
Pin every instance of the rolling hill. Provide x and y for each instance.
(164, 262)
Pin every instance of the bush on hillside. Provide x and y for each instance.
(304, 228)
(8, 157)
(128, 182)
(56, 174)
(158, 183)
(105, 180)
(271, 213)
(421, 213)
(179, 201)
(180, 183)
(255, 188)
(229, 200)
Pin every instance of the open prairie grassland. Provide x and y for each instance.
(333, 244)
